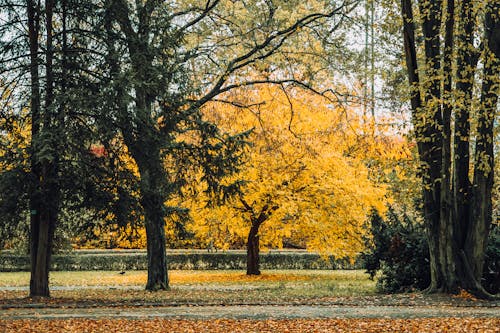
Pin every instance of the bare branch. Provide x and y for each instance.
(238, 104)
(252, 55)
(209, 6)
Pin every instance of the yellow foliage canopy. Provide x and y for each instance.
(298, 163)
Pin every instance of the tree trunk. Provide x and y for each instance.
(464, 86)
(481, 210)
(146, 152)
(456, 231)
(431, 220)
(145, 149)
(142, 137)
(446, 200)
(44, 189)
(41, 256)
(34, 195)
(152, 200)
(465, 242)
(253, 247)
(156, 244)
(253, 260)
(428, 121)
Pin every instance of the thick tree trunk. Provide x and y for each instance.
(253, 260)
(446, 200)
(41, 254)
(44, 189)
(465, 243)
(146, 153)
(428, 122)
(152, 200)
(464, 226)
(39, 281)
(433, 232)
(431, 209)
(456, 231)
(481, 210)
(463, 100)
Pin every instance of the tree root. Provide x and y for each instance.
(475, 288)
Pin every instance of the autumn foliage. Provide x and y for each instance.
(451, 325)
(310, 169)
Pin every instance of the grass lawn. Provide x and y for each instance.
(91, 291)
(212, 287)
(200, 286)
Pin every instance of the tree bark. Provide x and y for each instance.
(145, 150)
(44, 192)
(153, 203)
(157, 259)
(464, 86)
(411, 56)
(35, 101)
(39, 281)
(481, 209)
(456, 231)
(253, 246)
(253, 260)
(446, 197)
(427, 120)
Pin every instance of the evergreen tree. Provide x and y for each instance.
(47, 128)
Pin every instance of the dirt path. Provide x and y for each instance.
(251, 312)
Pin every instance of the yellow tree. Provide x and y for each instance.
(298, 180)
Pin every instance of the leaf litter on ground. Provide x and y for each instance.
(451, 325)
(293, 287)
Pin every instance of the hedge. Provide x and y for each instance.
(195, 260)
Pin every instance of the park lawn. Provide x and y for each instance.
(190, 277)
(199, 287)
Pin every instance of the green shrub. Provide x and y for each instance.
(177, 259)
(398, 253)
(398, 250)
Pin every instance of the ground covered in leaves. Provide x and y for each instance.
(316, 287)
(223, 325)
(96, 294)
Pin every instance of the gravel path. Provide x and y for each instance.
(252, 312)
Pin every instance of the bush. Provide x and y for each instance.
(398, 249)
(177, 259)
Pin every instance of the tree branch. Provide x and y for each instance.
(209, 6)
(251, 55)
(411, 54)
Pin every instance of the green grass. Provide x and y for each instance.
(202, 286)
